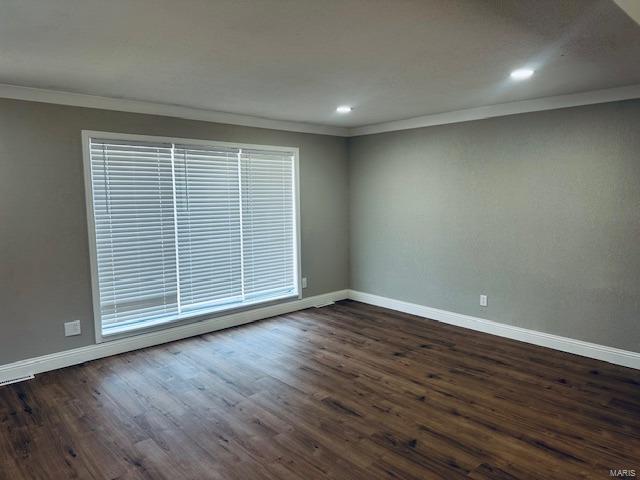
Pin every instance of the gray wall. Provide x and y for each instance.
(540, 211)
(44, 258)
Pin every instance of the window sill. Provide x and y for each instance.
(116, 332)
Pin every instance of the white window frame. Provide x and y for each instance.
(91, 229)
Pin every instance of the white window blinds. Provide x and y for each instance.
(209, 230)
(134, 229)
(187, 229)
(267, 207)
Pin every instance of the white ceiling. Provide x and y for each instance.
(297, 60)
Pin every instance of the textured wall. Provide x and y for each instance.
(44, 258)
(540, 211)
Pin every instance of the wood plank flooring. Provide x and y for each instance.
(347, 391)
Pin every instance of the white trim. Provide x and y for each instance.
(76, 356)
(9, 381)
(91, 232)
(87, 135)
(151, 108)
(59, 97)
(503, 109)
(578, 347)
(32, 366)
(631, 8)
(181, 140)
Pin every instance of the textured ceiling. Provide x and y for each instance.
(298, 59)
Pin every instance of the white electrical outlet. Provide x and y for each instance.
(72, 328)
(304, 282)
(483, 301)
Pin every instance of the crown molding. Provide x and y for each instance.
(503, 109)
(17, 92)
(498, 110)
(631, 8)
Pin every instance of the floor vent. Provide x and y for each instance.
(324, 304)
(16, 380)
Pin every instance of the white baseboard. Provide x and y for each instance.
(53, 361)
(32, 366)
(564, 344)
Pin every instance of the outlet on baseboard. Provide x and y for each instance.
(72, 328)
(304, 282)
(483, 301)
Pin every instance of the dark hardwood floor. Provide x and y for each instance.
(346, 391)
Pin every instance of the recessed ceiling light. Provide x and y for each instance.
(344, 109)
(521, 74)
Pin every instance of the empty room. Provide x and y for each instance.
(319, 239)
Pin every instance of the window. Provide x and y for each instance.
(183, 228)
